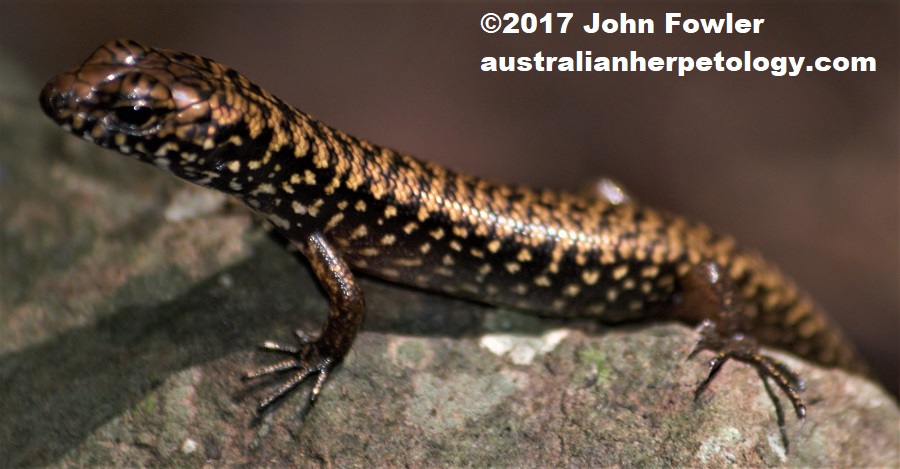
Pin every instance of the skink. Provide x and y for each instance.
(350, 206)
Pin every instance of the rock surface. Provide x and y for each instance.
(131, 303)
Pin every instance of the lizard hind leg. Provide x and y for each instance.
(746, 350)
(607, 190)
(710, 296)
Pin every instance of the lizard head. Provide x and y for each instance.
(180, 112)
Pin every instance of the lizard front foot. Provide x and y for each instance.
(305, 360)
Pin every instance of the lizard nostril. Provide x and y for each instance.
(53, 102)
(49, 99)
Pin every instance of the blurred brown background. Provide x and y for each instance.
(805, 168)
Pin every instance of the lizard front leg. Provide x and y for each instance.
(318, 357)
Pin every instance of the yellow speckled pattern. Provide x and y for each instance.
(350, 204)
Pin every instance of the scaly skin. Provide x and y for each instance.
(350, 205)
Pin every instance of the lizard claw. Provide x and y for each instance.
(746, 350)
(305, 359)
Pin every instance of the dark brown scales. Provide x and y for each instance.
(350, 204)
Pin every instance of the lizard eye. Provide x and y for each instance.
(134, 116)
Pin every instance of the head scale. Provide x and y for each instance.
(180, 112)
